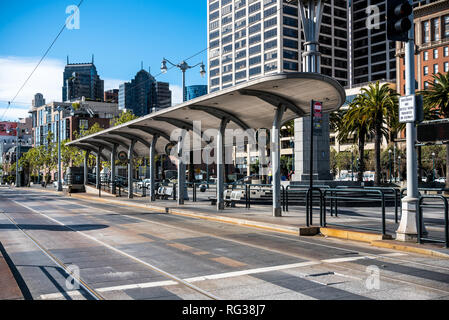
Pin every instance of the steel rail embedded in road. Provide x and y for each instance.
(150, 266)
(55, 260)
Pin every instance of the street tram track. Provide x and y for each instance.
(135, 259)
(94, 294)
(353, 267)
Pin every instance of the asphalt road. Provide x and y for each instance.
(115, 252)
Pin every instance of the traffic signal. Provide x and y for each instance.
(398, 20)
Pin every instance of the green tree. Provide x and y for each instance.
(355, 123)
(379, 104)
(123, 118)
(436, 97)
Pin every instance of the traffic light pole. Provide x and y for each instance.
(407, 230)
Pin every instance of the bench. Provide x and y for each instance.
(164, 193)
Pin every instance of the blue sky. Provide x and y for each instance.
(120, 34)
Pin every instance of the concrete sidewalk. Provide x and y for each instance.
(260, 217)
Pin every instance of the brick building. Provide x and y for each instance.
(432, 45)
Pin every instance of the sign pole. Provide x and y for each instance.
(408, 227)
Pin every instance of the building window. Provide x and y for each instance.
(426, 31)
(446, 26)
(426, 55)
(435, 68)
(436, 29)
(446, 51)
(426, 84)
(446, 67)
(435, 53)
(426, 70)
(84, 125)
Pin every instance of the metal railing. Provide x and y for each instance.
(421, 205)
(301, 190)
(390, 193)
(345, 194)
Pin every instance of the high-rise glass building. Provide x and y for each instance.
(82, 80)
(144, 94)
(196, 91)
(251, 38)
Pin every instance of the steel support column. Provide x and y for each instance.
(113, 154)
(152, 168)
(181, 170)
(130, 170)
(98, 181)
(276, 160)
(86, 168)
(220, 164)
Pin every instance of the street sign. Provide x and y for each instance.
(122, 156)
(407, 109)
(317, 118)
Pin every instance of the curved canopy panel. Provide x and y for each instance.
(249, 105)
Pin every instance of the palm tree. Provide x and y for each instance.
(354, 123)
(436, 97)
(378, 103)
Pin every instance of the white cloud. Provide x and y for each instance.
(176, 93)
(13, 73)
(47, 79)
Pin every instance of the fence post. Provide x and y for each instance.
(418, 227)
(446, 221)
(384, 227)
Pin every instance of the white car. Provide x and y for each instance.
(144, 182)
(441, 180)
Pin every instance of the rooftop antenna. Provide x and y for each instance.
(67, 59)
(141, 65)
(92, 59)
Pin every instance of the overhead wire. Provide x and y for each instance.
(40, 61)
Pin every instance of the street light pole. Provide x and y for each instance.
(183, 66)
(399, 169)
(58, 132)
(17, 158)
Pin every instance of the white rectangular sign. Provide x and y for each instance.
(407, 110)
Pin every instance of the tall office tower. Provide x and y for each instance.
(139, 95)
(373, 55)
(82, 80)
(252, 38)
(164, 95)
(38, 100)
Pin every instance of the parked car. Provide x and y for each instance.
(144, 182)
(441, 180)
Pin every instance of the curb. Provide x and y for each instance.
(353, 235)
(410, 248)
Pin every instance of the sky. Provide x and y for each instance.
(120, 34)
